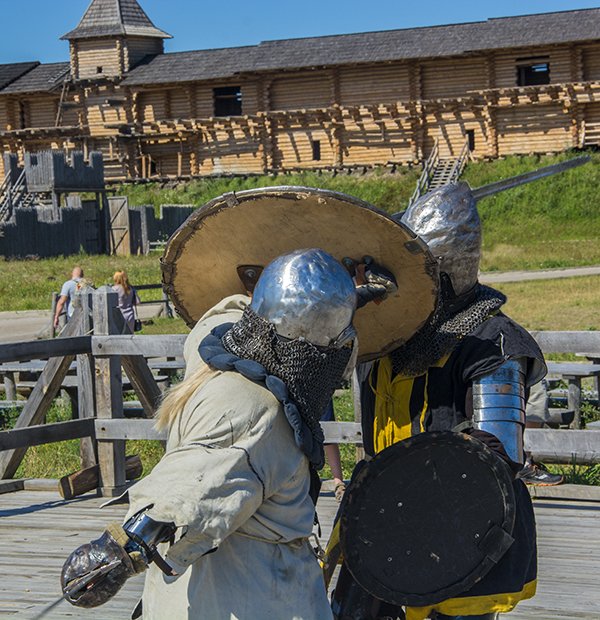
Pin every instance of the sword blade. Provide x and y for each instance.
(80, 584)
(528, 177)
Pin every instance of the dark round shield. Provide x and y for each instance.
(427, 518)
(205, 259)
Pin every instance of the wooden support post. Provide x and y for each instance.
(574, 399)
(51, 329)
(41, 398)
(109, 396)
(360, 452)
(139, 373)
(86, 401)
(10, 386)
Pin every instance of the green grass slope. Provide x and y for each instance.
(554, 222)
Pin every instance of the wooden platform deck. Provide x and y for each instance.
(38, 530)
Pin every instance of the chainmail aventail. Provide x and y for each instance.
(311, 374)
(443, 333)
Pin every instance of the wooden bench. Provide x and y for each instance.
(573, 373)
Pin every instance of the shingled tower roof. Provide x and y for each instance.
(106, 18)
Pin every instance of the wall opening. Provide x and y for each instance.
(470, 135)
(99, 70)
(316, 149)
(228, 101)
(533, 71)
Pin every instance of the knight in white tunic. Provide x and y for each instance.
(222, 523)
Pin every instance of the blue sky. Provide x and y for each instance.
(31, 28)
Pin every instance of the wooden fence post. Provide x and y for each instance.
(109, 396)
(86, 401)
(355, 388)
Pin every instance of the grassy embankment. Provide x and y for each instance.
(550, 223)
(554, 222)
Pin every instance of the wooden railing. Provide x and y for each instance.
(428, 168)
(94, 337)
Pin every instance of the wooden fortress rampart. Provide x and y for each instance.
(526, 84)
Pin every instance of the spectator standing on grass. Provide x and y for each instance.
(128, 297)
(67, 293)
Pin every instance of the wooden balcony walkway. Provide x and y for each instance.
(38, 530)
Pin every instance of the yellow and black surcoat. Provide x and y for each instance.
(397, 407)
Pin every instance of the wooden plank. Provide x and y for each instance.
(567, 341)
(563, 446)
(10, 486)
(553, 446)
(572, 492)
(86, 396)
(148, 346)
(41, 349)
(109, 430)
(46, 433)
(573, 369)
(41, 398)
(109, 396)
(88, 479)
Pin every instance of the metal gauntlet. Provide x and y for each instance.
(499, 406)
(96, 571)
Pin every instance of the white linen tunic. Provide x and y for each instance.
(235, 480)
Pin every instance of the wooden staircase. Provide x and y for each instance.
(439, 171)
(14, 196)
(590, 135)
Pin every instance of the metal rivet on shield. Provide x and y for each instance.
(381, 510)
(464, 476)
(399, 504)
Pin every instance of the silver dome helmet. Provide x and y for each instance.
(307, 295)
(447, 220)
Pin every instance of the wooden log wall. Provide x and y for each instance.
(357, 114)
(533, 129)
(137, 48)
(449, 126)
(373, 84)
(443, 79)
(301, 92)
(558, 57)
(93, 54)
(105, 110)
(377, 134)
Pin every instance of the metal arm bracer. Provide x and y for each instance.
(499, 405)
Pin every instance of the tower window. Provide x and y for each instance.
(533, 72)
(99, 70)
(316, 149)
(228, 101)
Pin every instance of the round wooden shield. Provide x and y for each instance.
(201, 260)
(427, 518)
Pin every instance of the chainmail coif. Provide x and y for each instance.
(443, 333)
(310, 373)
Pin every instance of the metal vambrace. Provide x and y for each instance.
(499, 406)
(145, 534)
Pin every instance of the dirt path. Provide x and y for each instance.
(491, 277)
(30, 324)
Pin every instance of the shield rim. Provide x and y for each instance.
(359, 484)
(177, 242)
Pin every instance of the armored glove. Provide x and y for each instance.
(96, 571)
(373, 282)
